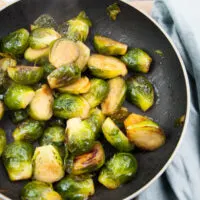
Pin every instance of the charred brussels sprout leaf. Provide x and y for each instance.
(97, 92)
(88, 162)
(108, 46)
(137, 60)
(7, 62)
(106, 66)
(2, 109)
(16, 42)
(19, 116)
(5, 82)
(64, 75)
(42, 37)
(47, 164)
(81, 86)
(36, 190)
(17, 159)
(115, 97)
(113, 10)
(29, 130)
(116, 137)
(140, 92)
(75, 187)
(57, 122)
(68, 106)
(2, 141)
(143, 132)
(18, 96)
(63, 52)
(41, 106)
(118, 170)
(25, 75)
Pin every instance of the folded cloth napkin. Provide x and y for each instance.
(181, 180)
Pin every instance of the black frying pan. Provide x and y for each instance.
(167, 75)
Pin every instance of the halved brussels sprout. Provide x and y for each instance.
(47, 164)
(18, 96)
(42, 37)
(140, 92)
(29, 130)
(63, 76)
(88, 162)
(84, 54)
(96, 119)
(116, 137)
(17, 159)
(108, 46)
(81, 86)
(48, 68)
(25, 75)
(68, 106)
(80, 137)
(36, 190)
(144, 133)
(37, 55)
(115, 97)
(16, 42)
(106, 66)
(41, 106)
(75, 187)
(2, 141)
(137, 60)
(63, 52)
(19, 116)
(7, 62)
(97, 92)
(78, 27)
(113, 10)
(118, 170)
(2, 109)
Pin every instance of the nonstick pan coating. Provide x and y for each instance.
(136, 30)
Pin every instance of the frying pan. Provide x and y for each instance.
(167, 74)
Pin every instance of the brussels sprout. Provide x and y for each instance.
(108, 46)
(19, 116)
(63, 52)
(75, 187)
(25, 75)
(42, 37)
(137, 60)
(18, 96)
(44, 21)
(106, 66)
(84, 54)
(37, 55)
(57, 122)
(81, 86)
(69, 106)
(97, 92)
(78, 27)
(115, 136)
(88, 162)
(80, 137)
(96, 119)
(28, 130)
(48, 68)
(47, 164)
(115, 97)
(63, 76)
(7, 62)
(118, 170)
(36, 190)
(113, 10)
(2, 141)
(2, 109)
(17, 159)
(143, 132)
(41, 106)
(16, 42)
(140, 92)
